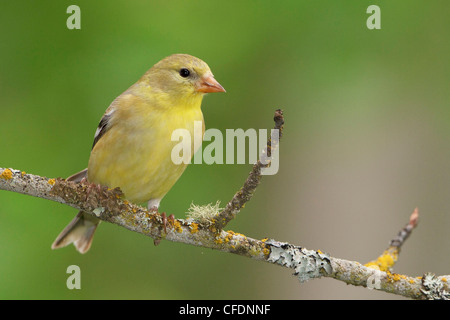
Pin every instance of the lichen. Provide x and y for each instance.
(254, 251)
(384, 262)
(307, 264)
(394, 277)
(433, 288)
(229, 236)
(204, 214)
(232, 233)
(6, 174)
(92, 196)
(177, 226)
(193, 227)
(98, 211)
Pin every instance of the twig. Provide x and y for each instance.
(246, 192)
(386, 261)
(398, 241)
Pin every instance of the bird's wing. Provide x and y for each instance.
(103, 126)
(101, 130)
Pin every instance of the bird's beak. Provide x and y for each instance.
(209, 84)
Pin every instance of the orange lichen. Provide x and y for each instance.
(385, 261)
(226, 239)
(177, 226)
(394, 277)
(444, 279)
(6, 174)
(148, 217)
(229, 235)
(51, 182)
(193, 227)
(236, 233)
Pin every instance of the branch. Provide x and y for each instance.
(386, 261)
(246, 192)
(108, 205)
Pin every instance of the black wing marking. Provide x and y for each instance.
(102, 128)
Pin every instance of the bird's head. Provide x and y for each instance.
(182, 76)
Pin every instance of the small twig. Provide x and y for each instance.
(386, 261)
(398, 241)
(246, 192)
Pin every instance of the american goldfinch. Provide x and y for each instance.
(132, 145)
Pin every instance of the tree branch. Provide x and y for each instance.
(386, 261)
(246, 192)
(108, 205)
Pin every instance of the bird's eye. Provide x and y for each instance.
(184, 72)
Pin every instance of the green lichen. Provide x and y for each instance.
(204, 214)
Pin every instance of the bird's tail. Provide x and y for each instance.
(80, 231)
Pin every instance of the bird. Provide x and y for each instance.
(132, 144)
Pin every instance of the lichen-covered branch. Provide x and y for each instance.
(386, 261)
(246, 192)
(108, 205)
(306, 264)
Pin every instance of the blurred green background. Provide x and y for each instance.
(367, 139)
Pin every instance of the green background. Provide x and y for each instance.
(367, 139)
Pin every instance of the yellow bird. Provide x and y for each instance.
(133, 146)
